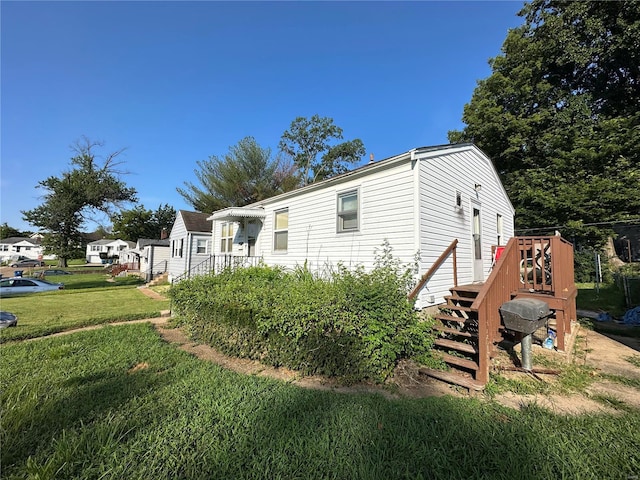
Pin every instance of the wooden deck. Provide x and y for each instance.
(470, 322)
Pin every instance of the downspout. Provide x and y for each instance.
(188, 249)
(150, 273)
(415, 166)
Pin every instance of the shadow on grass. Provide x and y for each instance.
(184, 418)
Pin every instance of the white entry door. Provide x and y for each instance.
(476, 239)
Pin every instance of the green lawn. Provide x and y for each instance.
(121, 403)
(93, 280)
(610, 298)
(51, 312)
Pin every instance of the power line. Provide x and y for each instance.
(633, 221)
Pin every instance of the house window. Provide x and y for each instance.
(201, 246)
(95, 248)
(226, 240)
(281, 230)
(177, 247)
(499, 227)
(348, 211)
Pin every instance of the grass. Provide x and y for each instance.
(52, 312)
(610, 298)
(93, 280)
(121, 403)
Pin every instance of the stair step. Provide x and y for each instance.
(457, 298)
(459, 361)
(453, 345)
(443, 317)
(453, 331)
(452, 378)
(467, 290)
(458, 308)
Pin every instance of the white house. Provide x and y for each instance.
(190, 242)
(151, 257)
(12, 248)
(103, 251)
(419, 201)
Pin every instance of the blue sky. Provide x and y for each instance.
(177, 82)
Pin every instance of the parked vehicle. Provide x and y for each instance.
(20, 286)
(8, 319)
(28, 263)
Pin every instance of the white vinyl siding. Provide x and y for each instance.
(386, 211)
(445, 176)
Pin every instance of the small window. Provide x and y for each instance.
(177, 248)
(201, 246)
(499, 231)
(348, 211)
(226, 239)
(281, 231)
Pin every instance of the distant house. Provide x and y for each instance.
(106, 251)
(13, 248)
(150, 257)
(190, 242)
(419, 201)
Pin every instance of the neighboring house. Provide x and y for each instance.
(190, 242)
(419, 201)
(13, 248)
(106, 251)
(150, 256)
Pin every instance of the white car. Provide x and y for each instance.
(19, 286)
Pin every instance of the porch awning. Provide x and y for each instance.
(234, 214)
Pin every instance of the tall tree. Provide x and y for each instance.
(91, 186)
(308, 141)
(244, 175)
(559, 116)
(139, 222)
(6, 231)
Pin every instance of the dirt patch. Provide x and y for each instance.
(566, 405)
(406, 381)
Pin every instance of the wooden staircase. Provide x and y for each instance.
(458, 345)
(470, 326)
(162, 278)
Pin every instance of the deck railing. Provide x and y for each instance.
(214, 264)
(451, 249)
(503, 281)
(527, 265)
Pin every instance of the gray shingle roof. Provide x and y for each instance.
(195, 221)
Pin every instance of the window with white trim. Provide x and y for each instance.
(226, 238)
(348, 211)
(201, 246)
(499, 229)
(281, 230)
(177, 247)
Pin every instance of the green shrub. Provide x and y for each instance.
(354, 325)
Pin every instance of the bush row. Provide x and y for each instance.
(355, 324)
